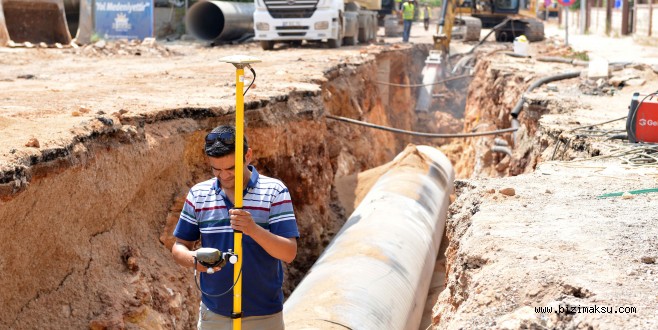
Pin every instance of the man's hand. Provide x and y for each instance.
(184, 256)
(284, 249)
(241, 220)
(201, 268)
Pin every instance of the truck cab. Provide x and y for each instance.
(333, 21)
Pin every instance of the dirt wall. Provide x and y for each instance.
(86, 233)
(508, 237)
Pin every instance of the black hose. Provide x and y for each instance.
(502, 149)
(519, 105)
(618, 137)
(556, 59)
(428, 135)
(497, 27)
(421, 85)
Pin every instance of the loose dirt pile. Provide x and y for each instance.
(148, 47)
(546, 249)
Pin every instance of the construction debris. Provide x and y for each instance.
(107, 48)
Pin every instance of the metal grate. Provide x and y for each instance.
(291, 8)
(292, 27)
(292, 34)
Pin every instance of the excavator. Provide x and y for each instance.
(508, 19)
(44, 21)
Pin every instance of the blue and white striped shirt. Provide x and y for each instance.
(205, 216)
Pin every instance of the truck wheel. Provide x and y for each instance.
(267, 44)
(336, 43)
(373, 29)
(364, 32)
(534, 30)
(473, 28)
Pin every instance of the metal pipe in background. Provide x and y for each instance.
(4, 35)
(72, 12)
(376, 272)
(84, 29)
(220, 20)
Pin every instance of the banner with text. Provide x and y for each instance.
(124, 19)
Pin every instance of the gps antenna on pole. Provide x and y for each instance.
(240, 62)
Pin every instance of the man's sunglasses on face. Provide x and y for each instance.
(225, 138)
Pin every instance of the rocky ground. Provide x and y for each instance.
(122, 121)
(523, 247)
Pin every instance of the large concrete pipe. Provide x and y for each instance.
(376, 272)
(72, 12)
(4, 35)
(36, 21)
(83, 28)
(220, 20)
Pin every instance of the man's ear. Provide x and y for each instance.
(248, 156)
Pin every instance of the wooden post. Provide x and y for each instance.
(608, 16)
(588, 16)
(634, 29)
(598, 11)
(650, 16)
(582, 17)
(624, 18)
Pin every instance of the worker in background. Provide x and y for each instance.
(425, 15)
(398, 5)
(267, 222)
(408, 11)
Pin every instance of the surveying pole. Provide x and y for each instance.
(240, 62)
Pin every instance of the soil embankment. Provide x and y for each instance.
(96, 165)
(545, 248)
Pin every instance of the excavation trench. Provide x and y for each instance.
(88, 225)
(94, 218)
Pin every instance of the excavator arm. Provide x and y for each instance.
(437, 65)
(443, 34)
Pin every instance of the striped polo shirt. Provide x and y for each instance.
(205, 216)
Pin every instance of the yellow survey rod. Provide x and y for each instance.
(239, 61)
(239, 176)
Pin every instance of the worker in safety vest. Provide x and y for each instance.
(425, 15)
(408, 11)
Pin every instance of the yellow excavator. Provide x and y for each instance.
(508, 19)
(518, 17)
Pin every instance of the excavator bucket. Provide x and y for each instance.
(34, 21)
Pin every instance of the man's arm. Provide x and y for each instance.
(184, 256)
(182, 251)
(282, 248)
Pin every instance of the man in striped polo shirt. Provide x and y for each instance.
(269, 229)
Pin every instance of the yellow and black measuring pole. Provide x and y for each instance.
(240, 62)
